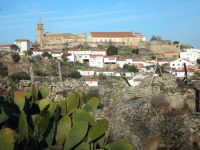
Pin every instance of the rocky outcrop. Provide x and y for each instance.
(138, 121)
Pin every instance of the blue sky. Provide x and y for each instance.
(171, 19)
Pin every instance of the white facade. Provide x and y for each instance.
(179, 73)
(99, 51)
(121, 63)
(191, 54)
(86, 72)
(23, 44)
(5, 47)
(160, 62)
(110, 59)
(134, 82)
(92, 82)
(96, 61)
(105, 72)
(127, 74)
(179, 63)
(71, 57)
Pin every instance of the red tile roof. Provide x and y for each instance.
(179, 71)
(128, 57)
(5, 45)
(73, 50)
(110, 56)
(101, 50)
(21, 40)
(96, 55)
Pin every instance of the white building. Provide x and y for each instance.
(86, 72)
(92, 82)
(23, 44)
(190, 54)
(160, 62)
(100, 51)
(135, 82)
(96, 61)
(179, 63)
(5, 47)
(127, 74)
(105, 72)
(110, 60)
(71, 57)
(54, 52)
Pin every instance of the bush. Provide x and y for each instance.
(31, 60)
(3, 70)
(29, 52)
(102, 77)
(198, 61)
(45, 54)
(75, 74)
(64, 57)
(15, 57)
(185, 106)
(49, 56)
(37, 58)
(19, 76)
(112, 50)
(136, 51)
(89, 94)
(133, 69)
(153, 57)
(40, 73)
(125, 67)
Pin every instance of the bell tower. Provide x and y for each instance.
(40, 32)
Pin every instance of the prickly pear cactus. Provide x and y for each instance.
(63, 128)
(5, 113)
(97, 130)
(44, 91)
(19, 100)
(13, 90)
(50, 132)
(72, 102)
(43, 103)
(27, 95)
(63, 107)
(23, 127)
(91, 104)
(119, 146)
(83, 146)
(34, 93)
(36, 119)
(7, 139)
(76, 134)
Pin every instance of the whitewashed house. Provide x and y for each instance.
(86, 72)
(190, 54)
(92, 82)
(179, 63)
(96, 61)
(135, 82)
(71, 57)
(105, 72)
(5, 47)
(74, 51)
(160, 62)
(121, 62)
(23, 44)
(138, 62)
(100, 51)
(127, 74)
(179, 73)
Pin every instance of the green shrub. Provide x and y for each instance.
(31, 60)
(89, 94)
(45, 54)
(185, 106)
(37, 58)
(40, 73)
(3, 70)
(49, 56)
(75, 74)
(29, 52)
(19, 76)
(15, 57)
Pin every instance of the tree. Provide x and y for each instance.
(49, 56)
(75, 74)
(198, 61)
(176, 42)
(14, 47)
(136, 51)
(45, 54)
(15, 57)
(64, 57)
(156, 37)
(153, 57)
(29, 52)
(133, 69)
(112, 50)
(125, 67)
(3, 70)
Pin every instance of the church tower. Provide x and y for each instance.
(40, 32)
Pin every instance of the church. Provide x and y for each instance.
(57, 39)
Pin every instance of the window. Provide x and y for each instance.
(95, 40)
(85, 56)
(79, 56)
(133, 39)
(90, 82)
(127, 39)
(178, 64)
(173, 65)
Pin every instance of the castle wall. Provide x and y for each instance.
(160, 49)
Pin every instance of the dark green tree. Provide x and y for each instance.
(156, 37)
(14, 47)
(64, 57)
(153, 57)
(29, 52)
(136, 51)
(49, 56)
(112, 50)
(3, 70)
(133, 69)
(15, 57)
(198, 61)
(45, 54)
(125, 67)
(176, 42)
(75, 74)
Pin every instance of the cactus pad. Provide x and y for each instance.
(72, 102)
(76, 134)
(82, 115)
(44, 91)
(50, 131)
(63, 107)
(19, 100)
(63, 128)
(23, 127)
(5, 113)
(43, 103)
(36, 119)
(7, 139)
(83, 146)
(34, 93)
(91, 104)
(27, 95)
(13, 90)
(97, 130)
(119, 146)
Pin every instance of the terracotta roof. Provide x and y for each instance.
(128, 57)
(110, 56)
(96, 55)
(101, 50)
(21, 40)
(5, 45)
(179, 71)
(122, 59)
(160, 60)
(112, 34)
(53, 35)
(73, 50)
(86, 70)
(92, 80)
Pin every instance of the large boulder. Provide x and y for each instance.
(138, 121)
